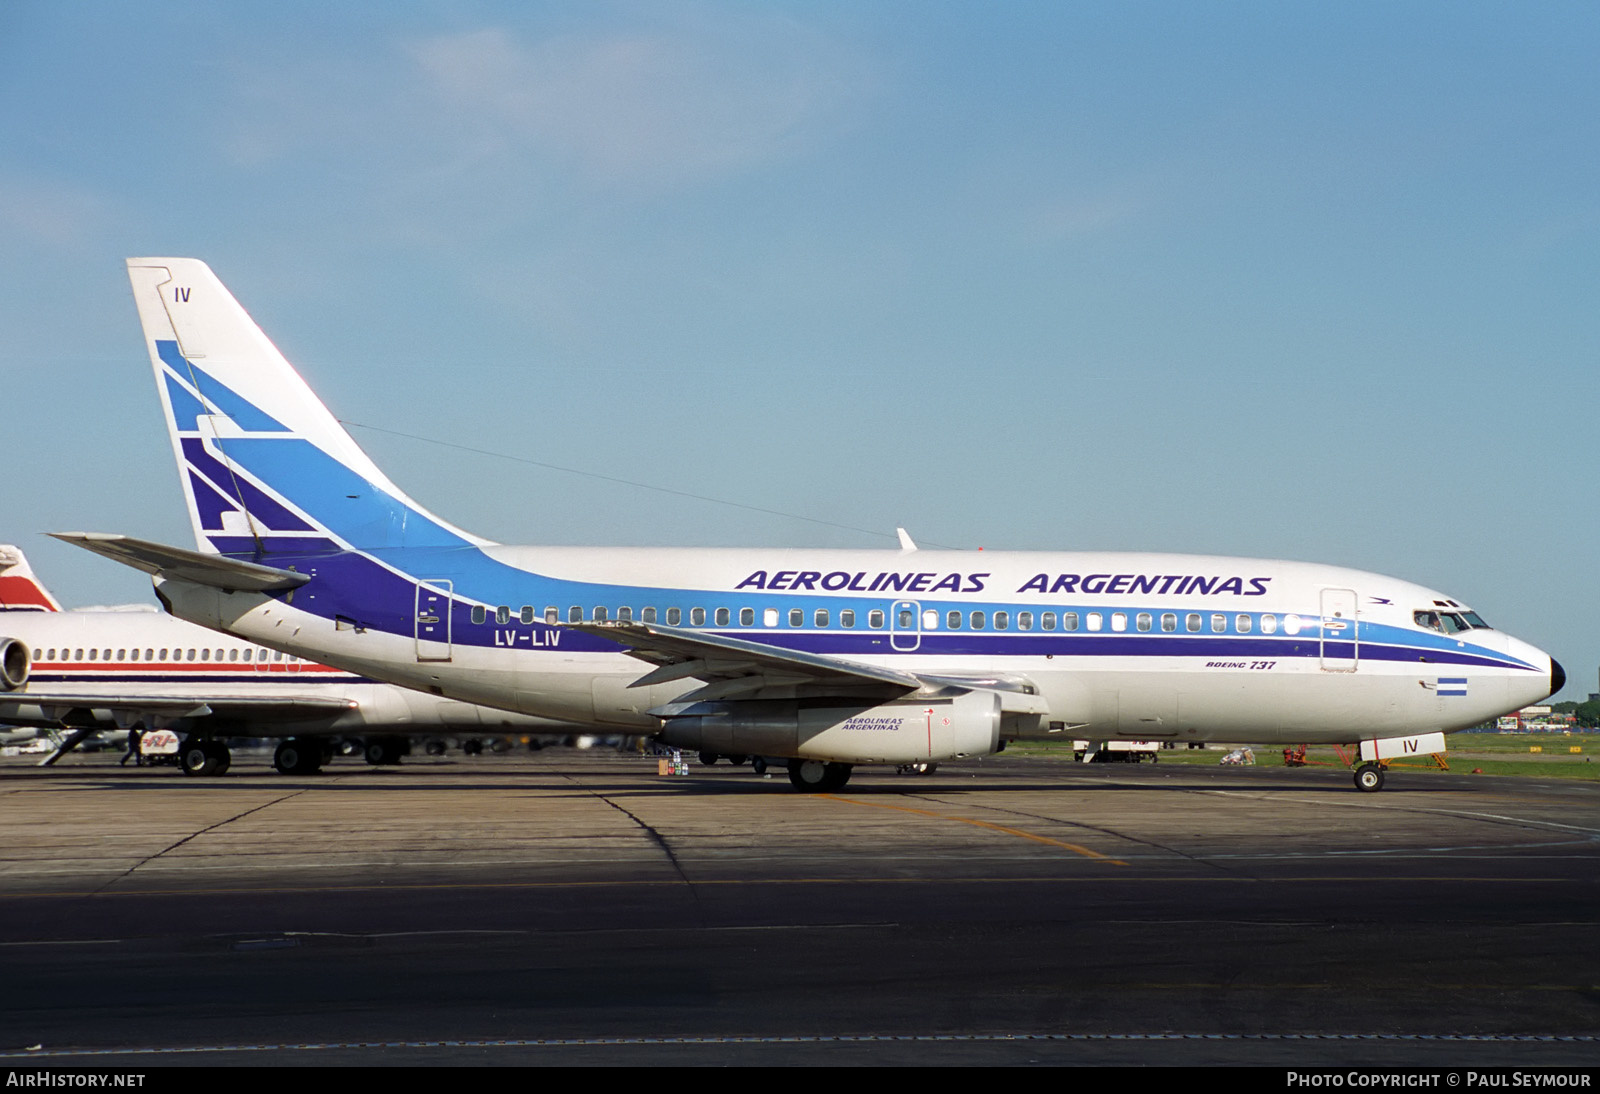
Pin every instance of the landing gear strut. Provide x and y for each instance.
(816, 777)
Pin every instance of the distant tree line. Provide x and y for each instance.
(1586, 713)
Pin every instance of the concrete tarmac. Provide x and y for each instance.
(575, 907)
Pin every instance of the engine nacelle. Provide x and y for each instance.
(841, 731)
(15, 661)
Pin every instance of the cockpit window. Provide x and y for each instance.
(1449, 622)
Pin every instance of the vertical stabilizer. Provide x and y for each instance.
(265, 467)
(20, 591)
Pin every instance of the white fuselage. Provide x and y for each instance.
(1155, 646)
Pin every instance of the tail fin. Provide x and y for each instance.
(20, 591)
(265, 467)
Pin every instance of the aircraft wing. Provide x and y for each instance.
(683, 654)
(735, 666)
(32, 706)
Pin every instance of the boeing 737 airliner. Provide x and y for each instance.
(103, 670)
(830, 658)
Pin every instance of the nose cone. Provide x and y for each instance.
(1558, 676)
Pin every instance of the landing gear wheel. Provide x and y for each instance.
(203, 758)
(384, 750)
(816, 777)
(758, 765)
(297, 757)
(708, 758)
(1369, 778)
(472, 747)
(738, 761)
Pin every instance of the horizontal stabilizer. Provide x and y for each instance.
(158, 559)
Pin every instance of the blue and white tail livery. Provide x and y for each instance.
(829, 658)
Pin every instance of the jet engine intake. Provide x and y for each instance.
(15, 661)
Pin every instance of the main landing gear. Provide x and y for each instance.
(200, 756)
(816, 777)
(383, 751)
(297, 757)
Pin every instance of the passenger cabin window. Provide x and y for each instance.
(747, 617)
(527, 613)
(502, 614)
(697, 617)
(647, 615)
(1169, 622)
(1094, 621)
(1219, 623)
(1191, 622)
(599, 613)
(1269, 624)
(952, 620)
(979, 621)
(875, 619)
(1002, 621)
(904, 617)
(1047, 621)
(821, 617)
(552, 615)
(722, 617)
(769, 617)
(575, 614)
(1241, 623)
(1142, 621)
(797, 617)
(1291, 624)
(1024, 621)
(1069, 621)
(847, 618)
(674, 616)
(1119, 621)
(478, 615)
(624, 615)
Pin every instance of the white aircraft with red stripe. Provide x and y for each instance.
(100, 670)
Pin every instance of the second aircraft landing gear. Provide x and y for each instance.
(816, 777)
(386, 750)
(298, 757)
(199, 756)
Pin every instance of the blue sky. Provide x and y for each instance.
(1286, 280)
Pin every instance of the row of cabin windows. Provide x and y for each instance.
(673, 617)
(1193, 622)
(162, 655)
